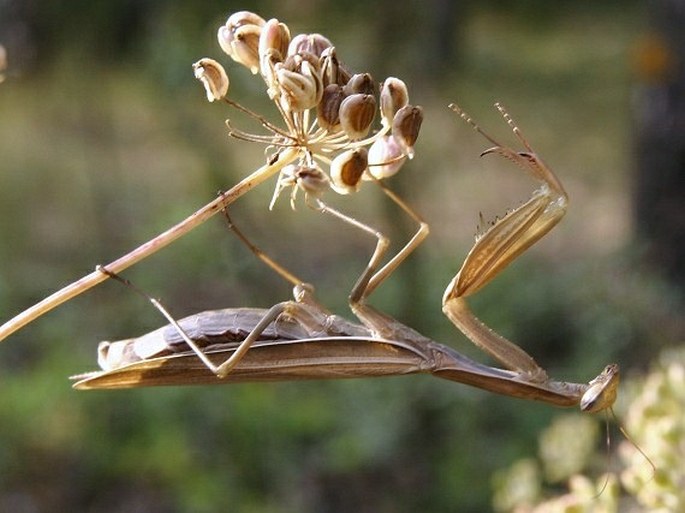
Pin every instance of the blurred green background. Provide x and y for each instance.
(106, 139)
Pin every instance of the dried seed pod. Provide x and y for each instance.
(347, 170)
(213, 77)
(393, 97)
(240, 18)
(293, 62)
(225, 37)
(309, 43)
(360, 83)
(246, 47)
(300, 90)
(235, 21)
(274, 36)
(312, 180)
(328, 110)
(239, 38)
(386, 157)
(267, 65)
(356, 115)
(405, 127)
(332, 70)
(308, 178)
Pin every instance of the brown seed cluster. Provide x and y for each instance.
(328, 111)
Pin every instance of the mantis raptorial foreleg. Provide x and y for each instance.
(505, 240)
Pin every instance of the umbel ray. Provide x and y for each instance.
(301, 340)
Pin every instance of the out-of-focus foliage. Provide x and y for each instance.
(655, 421)
(107, 139)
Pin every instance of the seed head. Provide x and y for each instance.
(332, 70)
(300, 87)
(360, 83)
(327, 112)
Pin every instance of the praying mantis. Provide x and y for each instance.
(297, 340)
(301, 340)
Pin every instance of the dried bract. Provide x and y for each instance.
(213, 77)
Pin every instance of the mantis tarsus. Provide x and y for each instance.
(321, 345)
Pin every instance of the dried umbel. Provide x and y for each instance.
(328, 113)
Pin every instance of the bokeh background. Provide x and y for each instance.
(106, 139)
